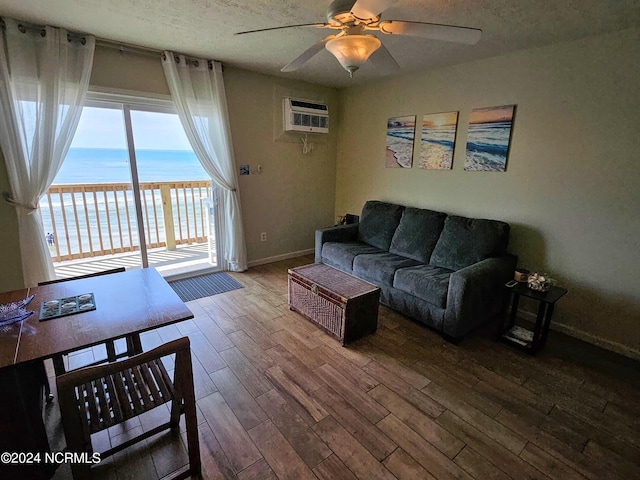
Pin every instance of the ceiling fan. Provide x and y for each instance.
(352, 46)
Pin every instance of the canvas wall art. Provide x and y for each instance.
(438, 140)
(488, 138)
(400, 137)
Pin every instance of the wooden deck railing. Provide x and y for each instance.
(87, 220)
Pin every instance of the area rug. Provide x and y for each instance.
(204, 286)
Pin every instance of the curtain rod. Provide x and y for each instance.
(138, 50)
(27, 26)
(127, 47)
(103, 42)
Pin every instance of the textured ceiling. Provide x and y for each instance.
(206, 28)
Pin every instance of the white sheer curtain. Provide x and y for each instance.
(197, 89)
(44, 75)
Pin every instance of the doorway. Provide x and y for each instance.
(131, 193)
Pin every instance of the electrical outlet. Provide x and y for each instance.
(263, 237)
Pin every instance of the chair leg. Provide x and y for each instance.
(184, 387)
(176, 410)
(76, 432)
(193, 444)
(42, 375)
(134, 345)
(111, 351)
(58, 365)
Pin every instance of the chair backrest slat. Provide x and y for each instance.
(136, 384)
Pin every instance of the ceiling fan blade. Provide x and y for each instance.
(448, 33)
(365, 9)
(306, 55)
(383, 61)
(317, 25)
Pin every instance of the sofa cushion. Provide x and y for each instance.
(465, 241)
(379, 268)
(378, 223)
(340, 254)
(417, 233)
(426, 282)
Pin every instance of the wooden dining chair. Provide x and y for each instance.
(95, 398)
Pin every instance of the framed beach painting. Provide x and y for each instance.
(437, 140)
(400, 138)
(488, 139)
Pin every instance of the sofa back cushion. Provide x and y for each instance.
(378, 223)
(417, 234)
(465, 241)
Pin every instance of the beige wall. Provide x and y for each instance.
(571, 190)
(295, 194)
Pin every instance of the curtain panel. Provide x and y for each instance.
(44, 76)
(197, 89)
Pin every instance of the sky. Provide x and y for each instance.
(440, 119)
(104, 128)
(492, 114)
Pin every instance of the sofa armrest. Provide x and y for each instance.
(339, 233)
(476, 293)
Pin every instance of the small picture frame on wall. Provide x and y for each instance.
(438, 140)
(489, 138)
(400, 139)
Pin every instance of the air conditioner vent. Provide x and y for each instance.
(305, 116)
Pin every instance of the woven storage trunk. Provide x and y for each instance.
(345, 306)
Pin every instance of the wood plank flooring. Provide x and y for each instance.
(280, 399)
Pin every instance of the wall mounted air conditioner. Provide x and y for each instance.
(305, 116)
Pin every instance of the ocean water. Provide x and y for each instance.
(106, 165)
(487, 146)
(400, 142)
(436, 151)
(107, 221)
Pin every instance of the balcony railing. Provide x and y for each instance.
(88, 220)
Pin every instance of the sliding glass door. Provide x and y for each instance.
(174, 192)
(89, 211)
(130, 193)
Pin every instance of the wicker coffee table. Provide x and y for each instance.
(342, 304)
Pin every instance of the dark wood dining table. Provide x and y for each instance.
(127, 304)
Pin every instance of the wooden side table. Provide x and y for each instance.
(531, 341)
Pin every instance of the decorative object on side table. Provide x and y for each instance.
(521, 275)
(540, 282)
(531, 341)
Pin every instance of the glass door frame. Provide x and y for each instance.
(152, 103)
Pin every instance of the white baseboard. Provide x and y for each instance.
(585, 336)
(277, 258)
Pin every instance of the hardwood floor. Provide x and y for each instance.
(279, 398)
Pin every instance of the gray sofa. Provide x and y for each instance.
(445, 271)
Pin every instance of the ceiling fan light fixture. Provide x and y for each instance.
(352, 51)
